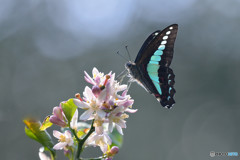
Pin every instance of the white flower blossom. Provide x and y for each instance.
(65, 139)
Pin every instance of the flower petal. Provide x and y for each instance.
(57, 121)
(88, 78)
(74, 120)
(95, 72)
(122, 123)
(57, 134)
(101, 113)
(102, 96)
(119, 129)
(80, 104)
(110, 126)
(107, 139)
(58, 112)
(88, 94)
(103, 148)
(59, 145)
(68, 134)
(131, 110)
(86, 114)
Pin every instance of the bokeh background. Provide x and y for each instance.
(45, 45)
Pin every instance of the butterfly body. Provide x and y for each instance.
(151, 68)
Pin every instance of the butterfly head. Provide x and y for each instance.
(132, 69)
(129, 65)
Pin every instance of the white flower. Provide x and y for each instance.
(116, 117)
(92, 104)
(65, 139)
(98, 77)
(101, 140)
(42, 155)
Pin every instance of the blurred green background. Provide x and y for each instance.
(45, 45)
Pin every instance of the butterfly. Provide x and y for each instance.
(151, 67)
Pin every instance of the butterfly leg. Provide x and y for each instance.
(129, 84)
(121, 76)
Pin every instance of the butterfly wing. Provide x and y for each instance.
(156, 41)
(153, 61)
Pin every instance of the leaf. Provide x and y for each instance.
(46, 124)
(33, 131)
(69, 109)
(117, 138)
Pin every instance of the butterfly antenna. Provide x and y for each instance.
(128, 53)
(122, 56)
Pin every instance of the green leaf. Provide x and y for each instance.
(33, 131)
(117, 138)
(46, 124)
(69, 109)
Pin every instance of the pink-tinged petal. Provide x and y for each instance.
(110, 73)
(57, 134)
(119, 129)
(59, 145)
(81, 104)
(98, 80)
(118, 109)
(131, 110)
(57, 111)
(88, 78)
(125, 103)
(124, 93)
(102, 96)
(112, 79)
(101, 113)
(122, 123)
(95, 71)
(108, 91)
(86, 114)
(57, 121)
(68, 134)
(88, 93)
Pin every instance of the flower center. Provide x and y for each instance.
(94, 105)
(62, 138)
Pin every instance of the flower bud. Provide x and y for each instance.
(58, 117)
(55, 120)
(114, 150)
(96, 90)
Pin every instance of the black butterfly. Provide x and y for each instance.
(151, 67)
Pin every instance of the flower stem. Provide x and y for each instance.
(82, 141)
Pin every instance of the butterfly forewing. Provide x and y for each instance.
(154, 41)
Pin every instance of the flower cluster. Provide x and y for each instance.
(103, 104)
(106, 104)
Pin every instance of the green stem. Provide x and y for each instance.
(81, 142)
(52, 156)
